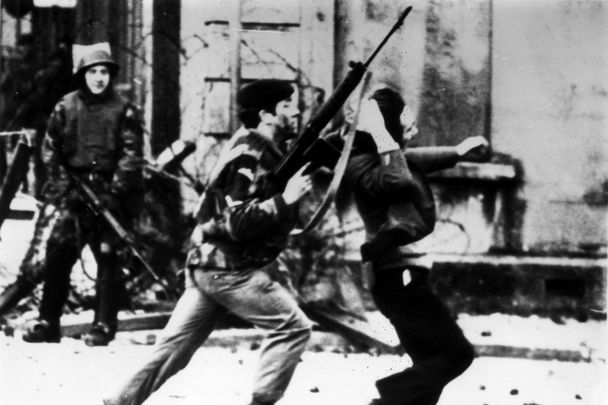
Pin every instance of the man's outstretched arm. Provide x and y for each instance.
(433, 158)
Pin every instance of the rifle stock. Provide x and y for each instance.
(304, 148)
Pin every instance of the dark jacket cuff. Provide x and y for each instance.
(283, 210)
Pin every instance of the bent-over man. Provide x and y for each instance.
(397, 207)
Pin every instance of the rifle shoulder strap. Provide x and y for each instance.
(340, 168)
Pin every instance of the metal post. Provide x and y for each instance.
(235, 27)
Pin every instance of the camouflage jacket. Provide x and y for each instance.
(245, 221)
(93, 137)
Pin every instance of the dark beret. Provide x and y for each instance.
(391, 105)
(389, 100)
(263, 94)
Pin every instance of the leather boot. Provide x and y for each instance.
(43, 332)
(99, 335)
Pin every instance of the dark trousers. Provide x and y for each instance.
(68, 237)
(428, 333)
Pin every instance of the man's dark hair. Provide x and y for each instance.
(261, 95)
(250, 118)
(391, 106)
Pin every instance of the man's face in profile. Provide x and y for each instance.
(286, 122)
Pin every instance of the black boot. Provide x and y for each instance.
(99, 335)
(107, 298)
(258, 401)
(43, 332)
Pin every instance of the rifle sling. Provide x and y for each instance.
(340, 168)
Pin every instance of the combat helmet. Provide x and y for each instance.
(92, 47)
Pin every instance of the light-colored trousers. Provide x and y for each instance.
(253, 296)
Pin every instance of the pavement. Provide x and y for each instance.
(221, 373)
(521, 360)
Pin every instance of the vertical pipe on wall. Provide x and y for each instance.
(341, 33)
(235, 61)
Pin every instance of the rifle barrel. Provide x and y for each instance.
(390, 33)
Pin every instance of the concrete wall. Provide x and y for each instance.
(529, 75)
(440, 60)
(550, 105)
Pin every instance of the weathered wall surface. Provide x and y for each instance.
(284, 40)
(530, 76)
(550, 105)
(440, 60)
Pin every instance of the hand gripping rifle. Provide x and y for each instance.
(101, 210)
(308, 147)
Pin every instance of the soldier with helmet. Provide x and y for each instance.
(96, 136)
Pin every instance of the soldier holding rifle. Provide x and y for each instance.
(95, 137)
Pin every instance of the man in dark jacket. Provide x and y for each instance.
(396, 204)
(95, 136)
(244, 223)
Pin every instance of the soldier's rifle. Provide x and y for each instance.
(97, 206)
(25, 283)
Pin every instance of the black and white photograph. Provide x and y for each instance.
(303, 202)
